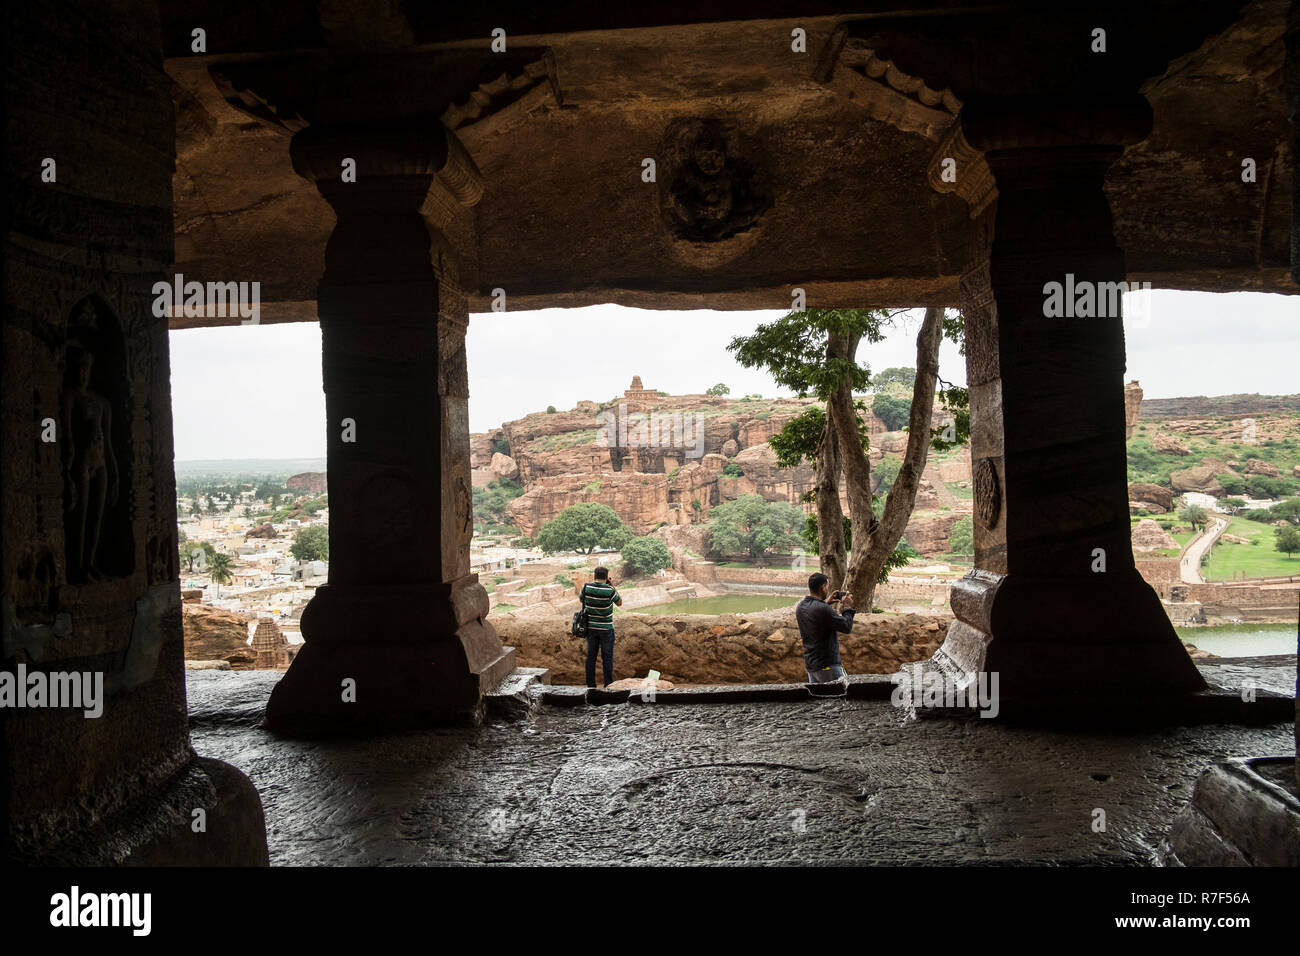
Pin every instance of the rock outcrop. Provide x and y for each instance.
(264, 530)
(313, 482)
(1200, 478)
(1256, 466)
(1167, 445)
(215, 635)
(1132, 407)
(503, 466)
(1155, 498)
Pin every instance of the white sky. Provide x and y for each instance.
(255, 391)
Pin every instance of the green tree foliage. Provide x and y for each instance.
(1262, 486)
(311, 544)
(719, 389)
(492, 504)
(905, 377)
(646, 555)
(219, 570)
(1235, 506)
(732, 470)
(1288, 539)
(1288, 510)
(892, 411)
(1194, 515)
(583, 528)
(885, 473)
(197, 555)
(752, 526)
(500, 446)
(799, 439)
(550, 409)
(1232, 484)
(961, 539)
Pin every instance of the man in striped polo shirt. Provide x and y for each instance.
(599, 598)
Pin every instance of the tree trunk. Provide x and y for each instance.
(874, 541)
(830, 515)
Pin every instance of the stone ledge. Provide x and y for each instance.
(1238, 816)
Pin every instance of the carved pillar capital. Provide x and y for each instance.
(393, 163)
(958, 167)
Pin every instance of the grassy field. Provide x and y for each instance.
(965, 494)
(1257, 560)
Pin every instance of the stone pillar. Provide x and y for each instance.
(98, 769)
(1056, 604)
(1293, 111)
(398, 636)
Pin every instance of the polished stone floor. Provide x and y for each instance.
(815, 782)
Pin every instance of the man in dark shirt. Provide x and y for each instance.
(599, 598)
(820, 627)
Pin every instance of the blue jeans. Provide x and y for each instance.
(604, 640)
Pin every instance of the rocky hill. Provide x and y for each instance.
(668, 460)
(1234, 406)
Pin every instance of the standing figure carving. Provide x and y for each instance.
(91, 470)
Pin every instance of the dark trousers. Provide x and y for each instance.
(604, 640)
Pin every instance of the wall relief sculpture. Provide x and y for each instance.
(94, 440)
(710, 187)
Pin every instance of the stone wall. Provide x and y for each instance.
(724, 649)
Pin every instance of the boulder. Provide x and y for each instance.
(264, 530)
(730, 448)
(1154, 498)
(214, 635)
(1256, 466)
(503, 466)
(1169, 446)
(1199, 478)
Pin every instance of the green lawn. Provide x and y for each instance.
(966, 494)
(1255, 560)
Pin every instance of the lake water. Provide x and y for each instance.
(1242, 640)
(723, 604)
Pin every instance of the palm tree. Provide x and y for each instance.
(219, 570)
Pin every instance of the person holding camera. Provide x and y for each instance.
(819, 627)
(599, 598)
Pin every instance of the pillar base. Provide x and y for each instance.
(1101, 635)
(160, 830)
(390, 658)
(1242, 813)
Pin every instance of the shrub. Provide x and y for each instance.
(646, 555)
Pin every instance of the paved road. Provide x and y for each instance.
(1190, 566)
